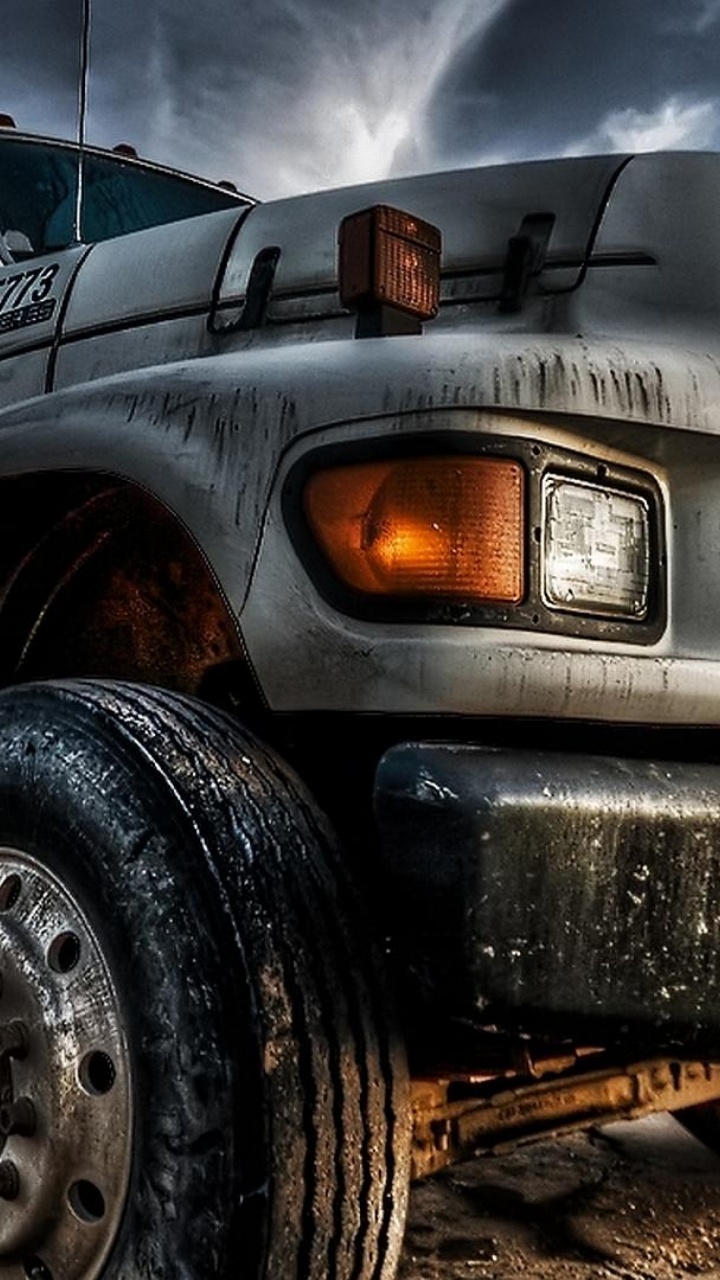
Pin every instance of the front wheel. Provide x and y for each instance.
(198, 1076)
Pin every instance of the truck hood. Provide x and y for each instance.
(477, 211)
(140, 278)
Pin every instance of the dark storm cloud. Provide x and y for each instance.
(554, 73)
(283, 95)
(288, 94)
(38, 63)
(280, 94)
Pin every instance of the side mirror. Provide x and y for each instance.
(14, 246)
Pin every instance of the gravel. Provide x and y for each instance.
(627, 1202)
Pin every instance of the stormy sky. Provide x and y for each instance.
(289, 95)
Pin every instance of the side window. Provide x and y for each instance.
(34, 182)
(120, 198)
(38, 186)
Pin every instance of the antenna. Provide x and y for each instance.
(83, 77)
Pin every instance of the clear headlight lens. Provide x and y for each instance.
(596, 549)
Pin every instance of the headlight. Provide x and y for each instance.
(596, 549)
(496, 532)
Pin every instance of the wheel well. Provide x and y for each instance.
(98, 578)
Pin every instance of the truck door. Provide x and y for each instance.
(38, 256)
(31, 295)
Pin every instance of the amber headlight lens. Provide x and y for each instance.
(596, 549)
(437, 526)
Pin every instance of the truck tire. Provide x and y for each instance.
(198, 1075)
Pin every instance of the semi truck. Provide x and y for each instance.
(360, 665)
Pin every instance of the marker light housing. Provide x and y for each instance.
(450, 527)
(596, 549)
(392, 258)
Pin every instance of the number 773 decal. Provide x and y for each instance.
(25, 297)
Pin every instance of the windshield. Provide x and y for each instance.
(38, 182)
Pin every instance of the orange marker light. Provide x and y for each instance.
(391, 257)
(437, 526)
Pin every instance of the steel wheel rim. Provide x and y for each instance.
(65, 1086)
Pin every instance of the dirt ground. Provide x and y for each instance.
(628, 1202)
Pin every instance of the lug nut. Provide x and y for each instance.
(9, 1180)
(17, 1117)
(36, 1270)
(13, 1040)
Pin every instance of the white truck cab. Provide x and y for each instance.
(359, 621)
